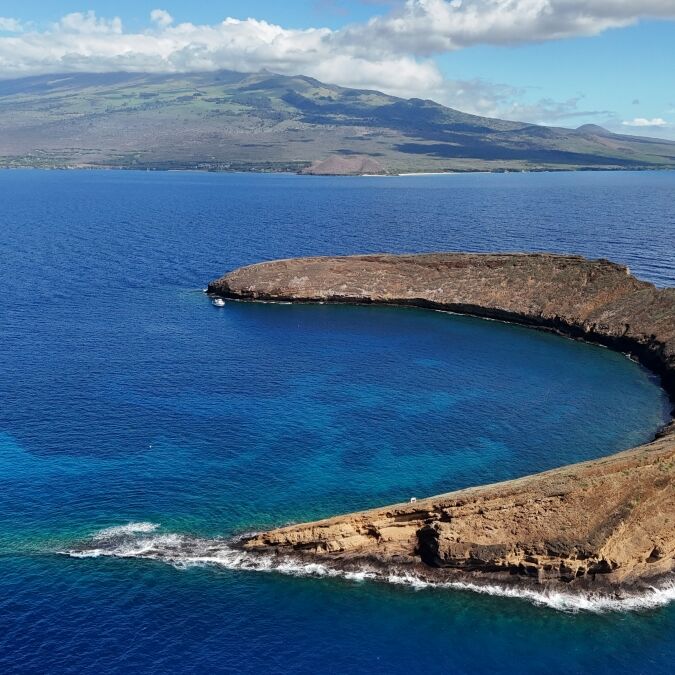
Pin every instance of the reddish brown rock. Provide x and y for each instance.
(346, 165)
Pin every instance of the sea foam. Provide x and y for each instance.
(121, 530)
(141, 540)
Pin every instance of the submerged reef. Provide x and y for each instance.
(607, 524)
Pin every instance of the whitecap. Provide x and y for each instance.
(649, 598)
(122, 530)
(182, 551)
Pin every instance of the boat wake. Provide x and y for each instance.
(142, 540)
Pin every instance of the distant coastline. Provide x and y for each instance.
(266, 122)
(291, 172)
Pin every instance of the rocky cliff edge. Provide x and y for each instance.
(606, 523)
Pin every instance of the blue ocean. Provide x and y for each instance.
(136, 416)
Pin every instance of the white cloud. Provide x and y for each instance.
(655, 122)
(9, 25)
(161, 17)
(435, 26)
(84, 24)
(85, 42)
(389, 50)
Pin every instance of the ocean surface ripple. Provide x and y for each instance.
(142, 428)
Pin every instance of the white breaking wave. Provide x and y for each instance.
(181, 551)
(121, 530)
(650, 598)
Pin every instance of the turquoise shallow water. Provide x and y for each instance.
(128, 398)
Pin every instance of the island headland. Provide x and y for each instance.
(606, 524)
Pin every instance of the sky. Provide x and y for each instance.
(556, 62)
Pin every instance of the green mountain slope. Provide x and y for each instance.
(234, 121)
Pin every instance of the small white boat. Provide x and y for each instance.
(218, 302)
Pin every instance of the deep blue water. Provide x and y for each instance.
(126, 397)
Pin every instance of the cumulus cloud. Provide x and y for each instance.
(388, 49)
(84, 24)
(435, 26)
(85, 42)
(161, 17)
(8, 25)
(654, 122)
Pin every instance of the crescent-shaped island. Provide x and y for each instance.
(607, 524)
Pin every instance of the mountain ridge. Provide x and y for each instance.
(267, 122)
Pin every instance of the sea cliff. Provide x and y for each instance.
(607, 523)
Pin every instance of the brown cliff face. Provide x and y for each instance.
(609, 521)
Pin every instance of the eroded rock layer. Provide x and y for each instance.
(609, 521)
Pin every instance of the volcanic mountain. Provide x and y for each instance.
(266, 122)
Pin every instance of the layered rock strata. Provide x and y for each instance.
(608, 522)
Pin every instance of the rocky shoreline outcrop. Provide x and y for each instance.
(607, 523)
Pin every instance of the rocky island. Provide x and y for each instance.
(606, 524)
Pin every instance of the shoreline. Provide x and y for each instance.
(293, 172)
(590, 525)
(146, 541)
